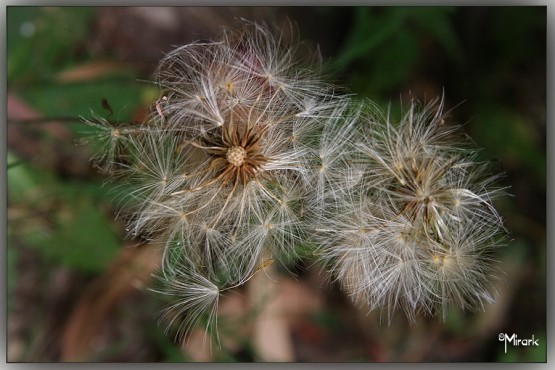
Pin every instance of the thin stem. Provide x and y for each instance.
(63, 119)
(261, 267)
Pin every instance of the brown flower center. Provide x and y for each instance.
(236, 149)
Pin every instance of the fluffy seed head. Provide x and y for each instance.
(246, 149)
(417, 232)
(219, 171)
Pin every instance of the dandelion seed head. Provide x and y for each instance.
(248, 154)
(219, 171)
(418, 229)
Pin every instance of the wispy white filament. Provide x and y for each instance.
(248, 155)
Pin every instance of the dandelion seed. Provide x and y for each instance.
(194, 299)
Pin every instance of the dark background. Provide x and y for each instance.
(76, 285)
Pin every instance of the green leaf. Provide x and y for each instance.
(42, 40)
(62, 220)
(79, 99)
(82, 237)
(512, 139)
(369, 33)
(437, 23)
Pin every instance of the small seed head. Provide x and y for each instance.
(236, 155)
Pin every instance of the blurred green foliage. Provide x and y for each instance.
(42, 41)
(77, 233)
(57, 43)
(383, 45)
(509, 136)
